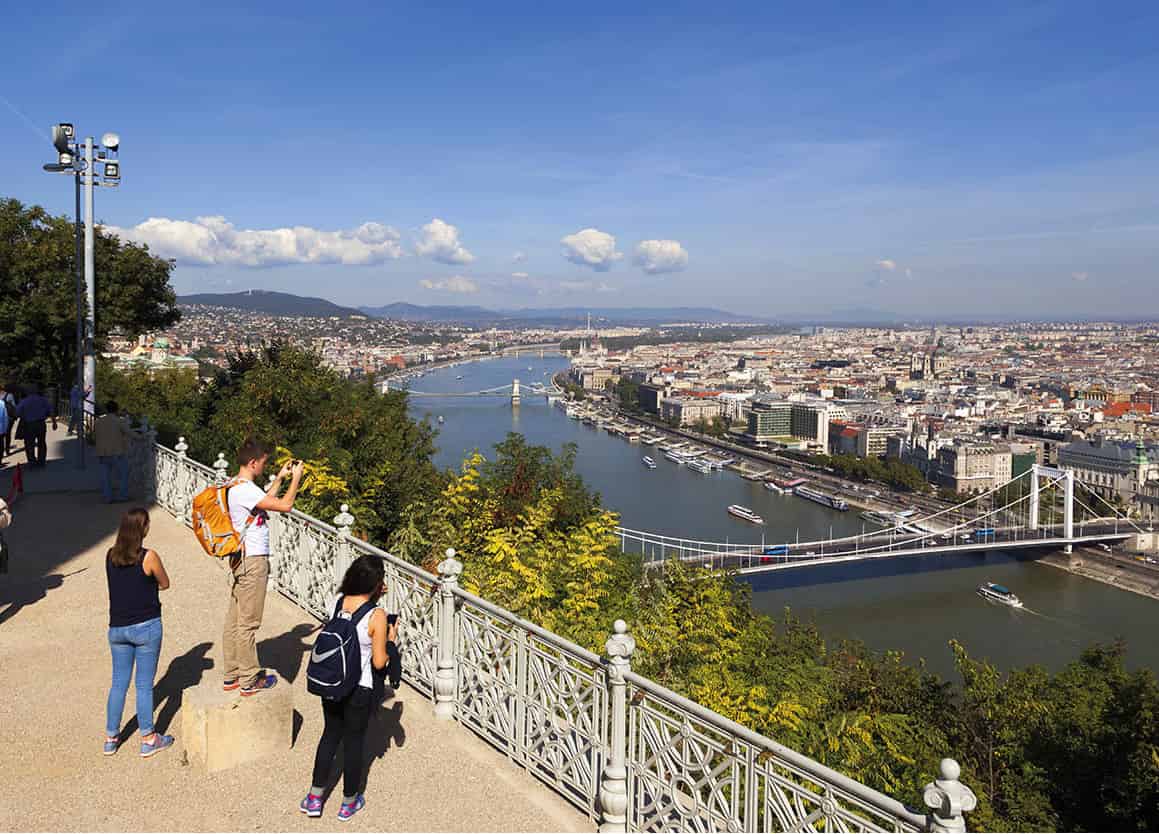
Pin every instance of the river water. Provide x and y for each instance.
(914, 604)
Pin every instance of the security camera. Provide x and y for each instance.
(61, 135)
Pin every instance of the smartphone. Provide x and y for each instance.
(391, 619)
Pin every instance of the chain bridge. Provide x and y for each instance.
(1043, 507)
(514, 391)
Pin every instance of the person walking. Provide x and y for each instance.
(346, 719)
(8, 404)
(135, 575)
(249, 509)
(111, 436)
(33, 411)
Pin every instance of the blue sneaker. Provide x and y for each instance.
(260, 684)
(111, 745)
(349, 809)
(159, 743)
(311, 806)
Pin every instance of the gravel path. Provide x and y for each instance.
(54, 657)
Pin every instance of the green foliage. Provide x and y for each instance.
(893, 472)
(38, 292)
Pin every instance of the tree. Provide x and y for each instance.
(38, 294)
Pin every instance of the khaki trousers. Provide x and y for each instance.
(247, 601)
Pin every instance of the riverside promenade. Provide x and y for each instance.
(425, 775)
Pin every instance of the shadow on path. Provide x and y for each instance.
(183, 673)
(284, 653)
(22, 593)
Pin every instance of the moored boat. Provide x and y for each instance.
(821, 498)
(647, 461)
(771, 487)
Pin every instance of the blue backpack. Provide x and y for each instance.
(335, 665)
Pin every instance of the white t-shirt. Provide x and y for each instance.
(243, 497)
(363, 630)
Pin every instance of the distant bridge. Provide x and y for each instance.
(1025, 521)
(513, 391)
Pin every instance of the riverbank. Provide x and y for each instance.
(1122, 572)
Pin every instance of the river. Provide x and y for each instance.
(915, 604)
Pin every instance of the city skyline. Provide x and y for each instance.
(980, 162)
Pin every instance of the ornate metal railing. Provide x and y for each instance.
(631, 754)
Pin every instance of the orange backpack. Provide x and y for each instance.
(212, 524)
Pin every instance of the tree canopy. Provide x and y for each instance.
(38, 292)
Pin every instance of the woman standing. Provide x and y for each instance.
(346, 719)
(135, 576)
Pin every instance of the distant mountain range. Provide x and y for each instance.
(273, 303)
(286, 304)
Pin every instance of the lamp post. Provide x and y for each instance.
(69, 162)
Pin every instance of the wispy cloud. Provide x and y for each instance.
(456, 283)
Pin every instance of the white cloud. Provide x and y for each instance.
(909, 273)
(586, 286)
(1080, 276)
(591, 247)
(657, 256)
(440, 242)
(519, 275)
(456, 283)
(519, 257)
(887, 264)
(214, 241)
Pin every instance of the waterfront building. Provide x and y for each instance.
(687, 411)
(966, 466)
(651, 396)
(769, 420)
(1111, 468)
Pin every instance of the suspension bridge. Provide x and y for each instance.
(1042, 508)
(514, 391)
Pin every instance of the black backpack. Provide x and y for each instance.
(335, 665)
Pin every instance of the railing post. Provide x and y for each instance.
(220, 469)
(150, 464)
(446, 675)
(343, 521)
(181, 448)
(614, 783)
(948, 799)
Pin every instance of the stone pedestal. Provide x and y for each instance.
(222, 729)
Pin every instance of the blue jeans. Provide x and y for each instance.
(108, 463)
(140, 643)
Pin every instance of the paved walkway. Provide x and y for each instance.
(54, 658)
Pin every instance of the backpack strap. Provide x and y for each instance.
(361, 612)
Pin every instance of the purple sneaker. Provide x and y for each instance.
(311, 806)
(349, 809)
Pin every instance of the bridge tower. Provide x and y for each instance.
(1067, 478)
(515, 392)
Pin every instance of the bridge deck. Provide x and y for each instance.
(426, 775)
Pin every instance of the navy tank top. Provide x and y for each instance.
(132, 594)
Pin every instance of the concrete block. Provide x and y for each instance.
(220, 730)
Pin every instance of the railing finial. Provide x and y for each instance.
(948, 799)
(182, 447)
(221, 468)
(446, 675)
(344, 520)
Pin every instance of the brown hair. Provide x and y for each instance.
(253, 449)
(126, 550)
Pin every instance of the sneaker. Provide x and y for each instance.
(160, 742)
(311, 806)
(111, 745)
(349, 809)
(260, 683)
(230, 685)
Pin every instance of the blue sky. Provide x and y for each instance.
(915, 158)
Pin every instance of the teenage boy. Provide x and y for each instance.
(249, 509)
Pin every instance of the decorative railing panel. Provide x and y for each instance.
(690, 769)
(178, 480)
(303, 561)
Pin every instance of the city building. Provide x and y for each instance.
(687, 411)
(1112, 468)
(966, 466)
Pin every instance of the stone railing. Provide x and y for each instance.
(629, 753)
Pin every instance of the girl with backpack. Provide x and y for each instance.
(348, 650)
(135, 575)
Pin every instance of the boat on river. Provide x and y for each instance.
(773, 488)
(699, 465)
(821, 498)
(651, 464)
(999, 593)
(745, 514)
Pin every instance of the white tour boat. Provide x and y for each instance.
(999, 593)
(744, 513)
(651, 464)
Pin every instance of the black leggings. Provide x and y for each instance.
(346, 722)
